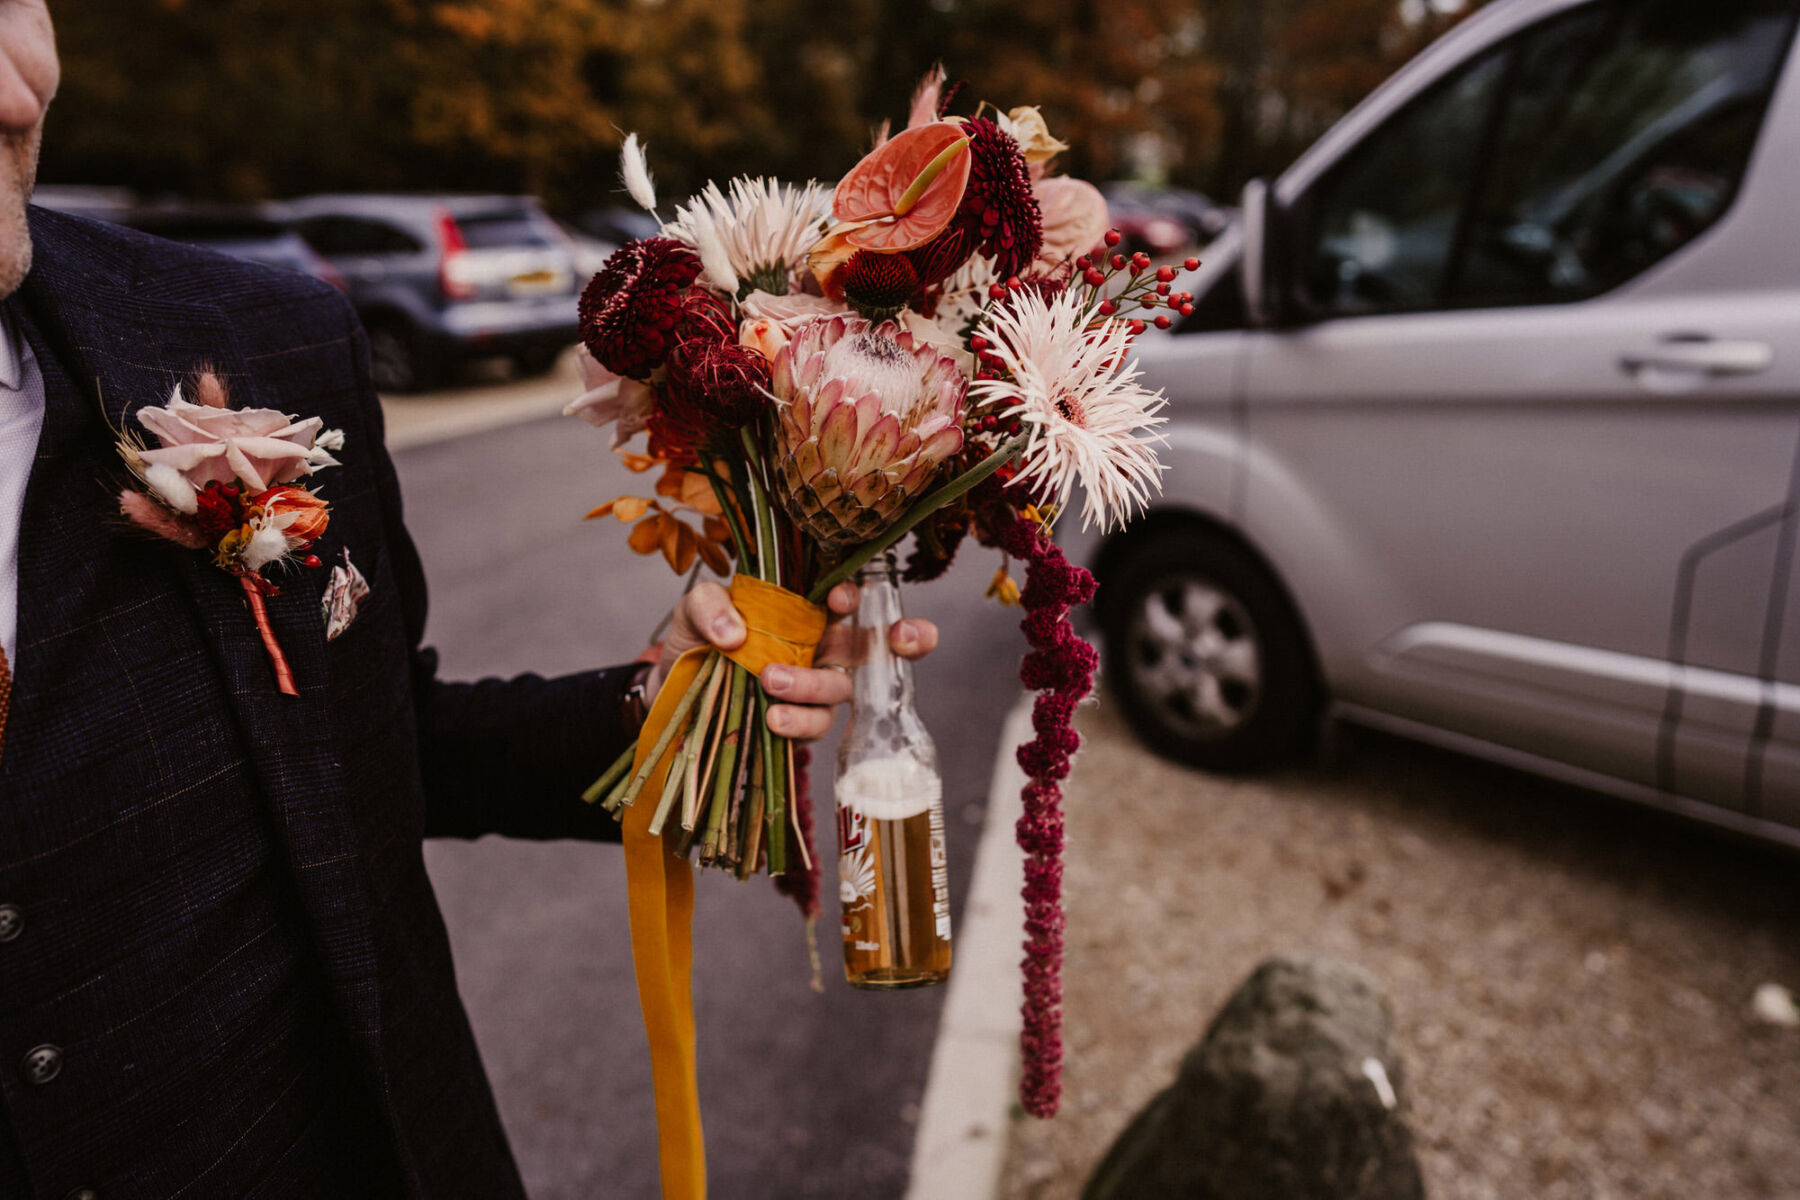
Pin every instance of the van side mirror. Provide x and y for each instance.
(1261, 218)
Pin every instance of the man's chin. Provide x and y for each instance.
(18, 172)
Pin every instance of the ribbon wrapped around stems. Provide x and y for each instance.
(783, 628)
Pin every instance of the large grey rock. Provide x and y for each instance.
(1295, 1093)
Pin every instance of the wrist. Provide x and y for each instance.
(634, 707)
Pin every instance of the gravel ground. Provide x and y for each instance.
(1571, 977)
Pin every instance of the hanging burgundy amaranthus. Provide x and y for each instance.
(1060, 669)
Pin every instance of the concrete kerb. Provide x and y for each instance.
(960, 1148)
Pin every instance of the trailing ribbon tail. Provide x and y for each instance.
(783, 628)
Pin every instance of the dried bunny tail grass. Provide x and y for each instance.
(158, 521)
(634, 169)
(210, 389)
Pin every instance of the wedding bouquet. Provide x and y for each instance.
(938, 346)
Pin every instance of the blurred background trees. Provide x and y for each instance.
(250, 99)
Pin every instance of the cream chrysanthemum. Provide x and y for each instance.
(758, 232)
(1076, 390)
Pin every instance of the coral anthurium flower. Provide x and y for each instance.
(906, 190)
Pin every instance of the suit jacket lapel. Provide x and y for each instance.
(123, 350)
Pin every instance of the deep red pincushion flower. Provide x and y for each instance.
(879, 285)
(721, 381)
(630, 310)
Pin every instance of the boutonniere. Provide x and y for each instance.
(223, 479)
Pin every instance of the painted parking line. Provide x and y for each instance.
(961, 1144)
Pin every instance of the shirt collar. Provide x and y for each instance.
(11, 375)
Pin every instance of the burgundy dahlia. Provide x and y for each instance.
(630, 310)
(721, 380)
(999, 215)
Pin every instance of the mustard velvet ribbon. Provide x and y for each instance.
(783, 628)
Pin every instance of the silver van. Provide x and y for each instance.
(1486, 427)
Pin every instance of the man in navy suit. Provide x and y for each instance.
(222, 969)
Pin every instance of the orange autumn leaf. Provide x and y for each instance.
(697, 493)
(669, 484)
(717, 530)
(647, 535)
(715, 557)
(626, 508)
(637, 464)
(679, 545)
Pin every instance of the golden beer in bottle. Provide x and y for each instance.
(893, 865)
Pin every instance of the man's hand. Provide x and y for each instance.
(807, 695)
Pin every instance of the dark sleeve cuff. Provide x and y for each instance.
(512, 756)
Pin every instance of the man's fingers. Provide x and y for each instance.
(806, 685)
(706, 617)
(913, 637)
(843, 600)
(802, 722)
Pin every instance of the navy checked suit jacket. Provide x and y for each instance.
(374, 755)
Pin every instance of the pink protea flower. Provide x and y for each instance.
(868, 416)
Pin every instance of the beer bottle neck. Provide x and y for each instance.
(883, 680)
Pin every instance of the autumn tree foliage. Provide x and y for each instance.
(245, 100)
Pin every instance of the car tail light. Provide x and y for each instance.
(452, 251)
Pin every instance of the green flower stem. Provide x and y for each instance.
(677, 721)
(768, 558)
(672, 782)
(953, 490)
(700, 775)
(775, 798)
(613, 774)
(729, 746)
(754, 799)
(722, 492)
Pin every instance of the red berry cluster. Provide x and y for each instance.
(1145, 291)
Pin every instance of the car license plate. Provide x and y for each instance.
(534, 281)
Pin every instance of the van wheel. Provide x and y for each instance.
(396, 363)
(1205, 654)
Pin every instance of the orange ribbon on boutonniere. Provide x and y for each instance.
(223, 479)
(783, 628)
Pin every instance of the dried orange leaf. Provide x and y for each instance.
(716, 559)
(686, 546)
(602, 511)
(717, 530)
(637, 464)
(647, 535)
(697, 493)
(630, 508)
(670, 483)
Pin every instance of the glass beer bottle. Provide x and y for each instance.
(893, 869)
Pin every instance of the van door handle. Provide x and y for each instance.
(1701, 356)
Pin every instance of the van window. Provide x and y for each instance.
(1624, 135)
(335, 236)
(1378, 231)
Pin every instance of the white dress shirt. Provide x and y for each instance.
(21, 420)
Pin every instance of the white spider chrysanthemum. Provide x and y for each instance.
(1076, 390)
(764, 227)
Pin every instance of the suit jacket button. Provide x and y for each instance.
(42, 1064)
(12, 922)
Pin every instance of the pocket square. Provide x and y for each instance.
(343, 597)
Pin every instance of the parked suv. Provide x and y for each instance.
(1486, 427)
(438, 280)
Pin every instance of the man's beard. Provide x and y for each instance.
(18, 173)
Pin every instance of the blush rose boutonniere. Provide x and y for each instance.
(225, 480)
